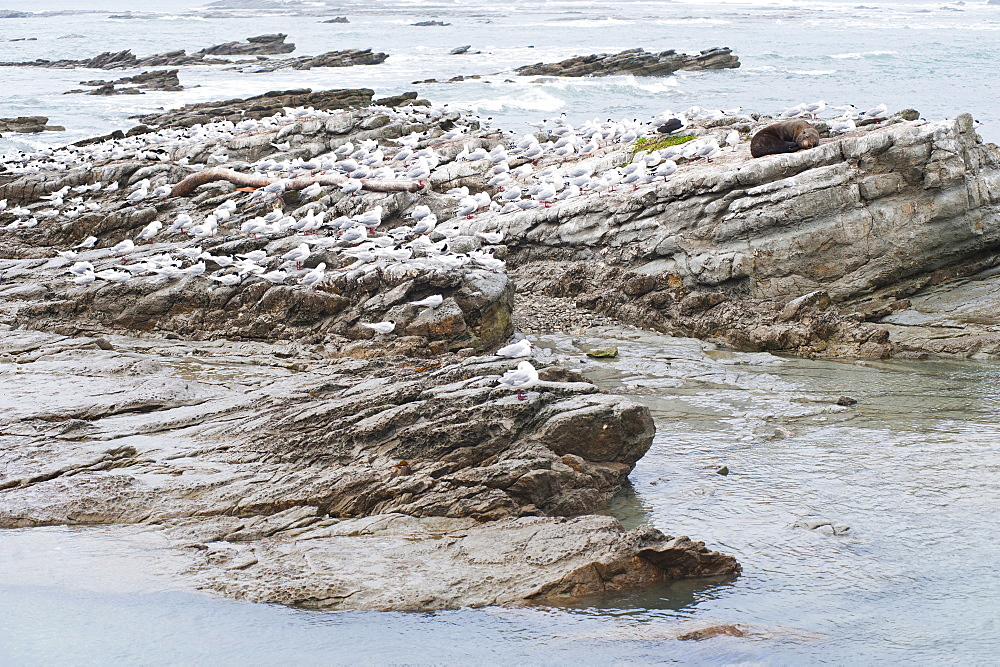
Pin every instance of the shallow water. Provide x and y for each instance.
(911, 469)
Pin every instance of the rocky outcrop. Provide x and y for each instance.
(28, 124)
(452, 563)
(295, 464)
(637, 62)
(255, 46)
(311, 375)
(261, 45)
(123, 60)
(346, 58)
(819, 252)
(155, 80)
(261, 106)
(328, 433)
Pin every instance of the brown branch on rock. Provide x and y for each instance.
(189, 184)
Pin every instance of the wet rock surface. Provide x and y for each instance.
(260, 462)
(267, 104)
(254, 46)
(260, 47)
(345, 58)
(135, 85)
(638, 62)
(313, 350)
(28, 124)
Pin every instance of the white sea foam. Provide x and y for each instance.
(864, 54)
(526, 100)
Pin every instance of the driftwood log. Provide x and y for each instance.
(188, 185)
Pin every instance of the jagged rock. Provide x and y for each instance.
(260, 106)
(450, 563)
(789, 252)
(336, 19)
(254, 46)
(430, 23)
(283, 474)
(347, 58)
(326, 437)
(634, 61)
(305, 424)
(155, 80)
(28, 124)
(123, 60)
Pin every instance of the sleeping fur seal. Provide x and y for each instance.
(786, 137)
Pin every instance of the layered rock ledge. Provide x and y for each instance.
(271, 483)
(863, 246)
(261, 45)
(258, 416)
(638, 62)
(29, 124)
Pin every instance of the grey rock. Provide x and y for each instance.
(634, 61)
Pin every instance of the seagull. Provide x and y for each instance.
(140, 193)
(733, 139)
(81, 268)
(149, 231)
(352, 187)
(371, 219)
(297, 255)
(87, 242)
(228, 280)
(521, 348)
(312, 191)
(276, 277)
(523, 377)
(380, 327)
(492, 238)
(419, 212)
(433, 301)
(314, 277)
(124, 247)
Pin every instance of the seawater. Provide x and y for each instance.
(912, 469)
(936, 57)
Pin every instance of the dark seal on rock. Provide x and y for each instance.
(786, 137)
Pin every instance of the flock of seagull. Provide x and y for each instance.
(510, 170)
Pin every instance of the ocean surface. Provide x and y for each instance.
(936, 57)
(912, 470)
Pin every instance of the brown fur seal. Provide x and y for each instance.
(786, 137)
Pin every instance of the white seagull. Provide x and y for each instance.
(523, 377)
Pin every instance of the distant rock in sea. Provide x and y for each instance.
(164, 79)
(638, 62)
(336, 19)
(28, 124)
(259, 45)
